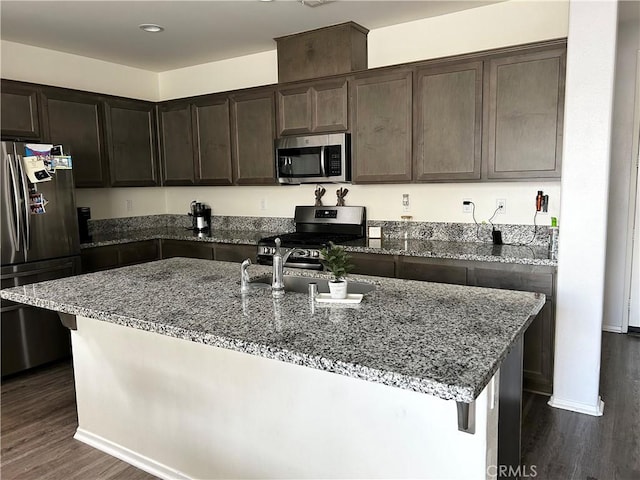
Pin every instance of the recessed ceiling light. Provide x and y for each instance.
(151, 27)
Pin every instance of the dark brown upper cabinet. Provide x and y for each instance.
(176, 144)
(524, 115)
(212, 139)
(253, 129)
(131, 138)
(75, 120)
(316, 107)
(448, 122)
(20, 117)
(382, 127)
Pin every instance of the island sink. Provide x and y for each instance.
(295, 283)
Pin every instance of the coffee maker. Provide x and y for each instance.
(200, 217)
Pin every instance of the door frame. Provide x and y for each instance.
(633, 232)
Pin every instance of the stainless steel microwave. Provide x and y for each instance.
(314, 159)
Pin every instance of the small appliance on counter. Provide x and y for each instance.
(200, 217)
(84, 215)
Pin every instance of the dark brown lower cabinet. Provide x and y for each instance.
(231, 252)
(428, 270)
(224, 252)
(112, 256)
(539, 339)
(367, 264)
(182, 248)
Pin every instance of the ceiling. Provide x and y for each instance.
(195, 31)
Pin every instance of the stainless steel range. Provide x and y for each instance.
(315, 227)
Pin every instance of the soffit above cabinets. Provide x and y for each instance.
(195, 32)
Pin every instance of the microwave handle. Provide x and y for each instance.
(323, 167)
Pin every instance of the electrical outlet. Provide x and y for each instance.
(501, 205)
(405, 202)
(468, 208)
(263, 204)
(129, 205)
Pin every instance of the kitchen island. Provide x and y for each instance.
(178, 373)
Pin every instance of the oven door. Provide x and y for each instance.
(297, 165)
(292, 262)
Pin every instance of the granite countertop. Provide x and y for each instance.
(520, 254)
(443, 340)
(246, 237)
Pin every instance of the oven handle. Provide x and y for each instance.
(311, 266)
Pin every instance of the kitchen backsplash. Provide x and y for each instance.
(222, 222)
(463, 232)
(459, 232)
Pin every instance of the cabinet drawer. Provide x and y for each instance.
(99, 258)
(178, 248)
(428, 271)
(139, 252)
(226, 252)
(513, 280)
(379, 265)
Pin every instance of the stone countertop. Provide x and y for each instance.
(484, 252)
(245, 237)
(443, 340)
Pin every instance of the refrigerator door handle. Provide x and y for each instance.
(15, 224)
(27, 210)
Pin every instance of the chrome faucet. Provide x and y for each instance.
(277, 285)
(244, 276)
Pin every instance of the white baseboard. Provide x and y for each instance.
(129, 456)
(612, 328)
(594, 410)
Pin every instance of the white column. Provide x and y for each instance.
(583, 219)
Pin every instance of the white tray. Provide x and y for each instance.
(351, 298)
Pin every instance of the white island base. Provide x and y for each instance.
(180, 409)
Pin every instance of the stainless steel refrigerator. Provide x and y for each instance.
(35, 247)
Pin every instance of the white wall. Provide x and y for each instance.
(432, 202)
(492, 26)
(49, 67)
(585, 188)
(622, 174)
(224, 75)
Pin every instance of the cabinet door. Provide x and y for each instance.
(539, 343)
(330, 106)
(523, 116)
(75, 120)
(131, 134)
(212, 140)
(448, 126)
(20, 112)
(382, 125)
(227, 252)
(253, 132)
(180, 248)
(539, 347)
(295, 110)
(176, 144)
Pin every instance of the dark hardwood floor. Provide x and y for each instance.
(36, 433)
(567, 445)
(39, 420)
